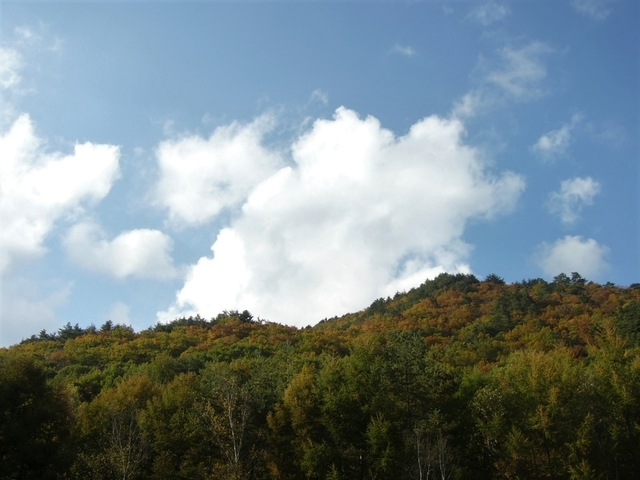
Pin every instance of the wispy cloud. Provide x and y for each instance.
(358, 213)
(609, 134)
(19, 53)
(595, 9)
(521, 71)
(26, 34)
(10, 65)
(404, 50)
(574, 194)
(32, 39)
(319, 95)
(489, 13)
(573, 254)
(516, 74)
(555, 143)
(472, 103)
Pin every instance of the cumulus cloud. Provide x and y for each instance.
(595, 9)
(517, 74)
(361, 212)
(404, 50)
(141, 253)
(38, 188)
(573, 254)
(489, 13)
(573, 195)
(554, 144)
(199, 177)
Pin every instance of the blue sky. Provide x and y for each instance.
(300, 160)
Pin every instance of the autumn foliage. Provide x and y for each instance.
(456, 379)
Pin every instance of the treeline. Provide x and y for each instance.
(456, 379)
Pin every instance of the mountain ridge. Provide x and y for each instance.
(458, 377)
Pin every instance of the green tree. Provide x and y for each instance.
(614, 374)
(35, 422)
(236, 397)
(297, 435)
(113, 444)
(178, 447)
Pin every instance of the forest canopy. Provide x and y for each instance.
(456, 379)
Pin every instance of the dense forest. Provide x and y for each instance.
(456, 379)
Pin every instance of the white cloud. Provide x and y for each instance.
(10, 65)
(473, 103)
(407, 50)
(141, 253)
(521, 71)
(573, 254)
(319, 95)
(413, 274)
(516, 75)
(596, 9)
(489, 13)
(38, 188)
(26, 34)
(36, 38)
(26, 43)
(554, 144)
(608, 134)
(360, 212)
(25, 309)
(573, 195)
(200, 177)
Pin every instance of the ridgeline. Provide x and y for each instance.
(456, 379)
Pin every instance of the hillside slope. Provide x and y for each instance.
(458, 378)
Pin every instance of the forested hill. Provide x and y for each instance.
(458, 378)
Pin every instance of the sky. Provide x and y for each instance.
(301, 159)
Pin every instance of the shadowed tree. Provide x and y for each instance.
(35, 422)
